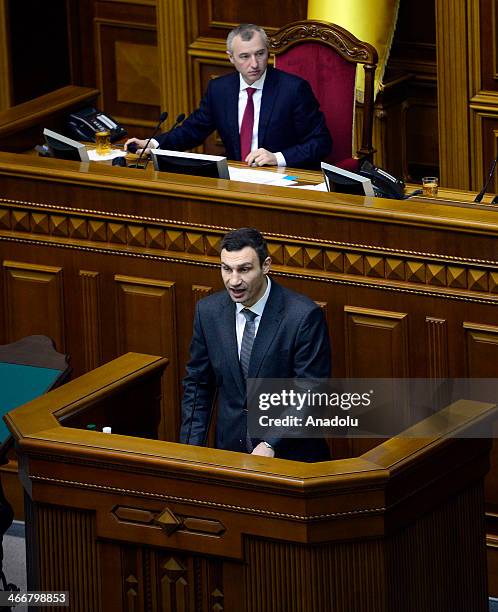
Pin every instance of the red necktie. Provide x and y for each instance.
(247, 125)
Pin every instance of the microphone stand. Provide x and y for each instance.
(162, 118)
(178, 120)
(480, 195)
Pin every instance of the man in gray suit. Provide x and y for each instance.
(254, 329)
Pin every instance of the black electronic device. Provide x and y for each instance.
(195, 164)
(385, 185)
(344, 181)
(85, 123)
(64, 148)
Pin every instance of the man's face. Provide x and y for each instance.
(250, 57)
(243, 275)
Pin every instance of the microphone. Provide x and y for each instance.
(178, 120)
(162, 118)
(480, 195)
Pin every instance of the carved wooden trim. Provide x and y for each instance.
(453, 84)
(349, 47)
(207, 504)
(90, 284)
(437, 347)
(352, 264)
(478, 334)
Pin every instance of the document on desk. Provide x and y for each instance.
(94, 156)
(261, 177)
(319, 187)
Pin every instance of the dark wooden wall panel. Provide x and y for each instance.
(33, 302)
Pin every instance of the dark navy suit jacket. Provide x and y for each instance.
(290, 120)
(292, 342)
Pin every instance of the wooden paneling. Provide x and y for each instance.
(33, 302)
(146, 322)
(453, 87)
(128, 70)
(216, 17)
(91, 296)
(376, 343)
(482, 350)
(437, 347)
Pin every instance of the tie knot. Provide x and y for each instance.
(250, 92)
(248, 314)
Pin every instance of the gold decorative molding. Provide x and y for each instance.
(336, 262)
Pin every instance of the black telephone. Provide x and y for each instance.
(84, 124)
(385, 185)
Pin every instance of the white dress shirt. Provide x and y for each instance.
(240, 320)
(258, 86)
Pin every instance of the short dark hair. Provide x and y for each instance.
(246, 32)
(243, 237)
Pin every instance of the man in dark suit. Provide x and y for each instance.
(254, 329)
(264, 116)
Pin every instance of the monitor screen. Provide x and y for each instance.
(194, 164)
(63, 147)
(344, 181)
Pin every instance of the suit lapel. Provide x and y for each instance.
(268, 327)
(268, 97)
(229, 340)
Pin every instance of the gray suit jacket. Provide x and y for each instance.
(292, 342)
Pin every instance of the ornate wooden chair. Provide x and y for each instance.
(327, 56)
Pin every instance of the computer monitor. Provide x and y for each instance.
(63, 147)
(195, 164)
(344, 181)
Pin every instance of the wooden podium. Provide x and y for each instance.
(129, 523)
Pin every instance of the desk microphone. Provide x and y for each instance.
(178, 120)
(480, 195)
(162, 118)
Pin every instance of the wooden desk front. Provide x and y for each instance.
(106, 260)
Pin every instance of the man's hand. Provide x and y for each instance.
(263, 451)
(261, 157)
(140, 145)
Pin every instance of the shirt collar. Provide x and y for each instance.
(261, 303)
(257, 84)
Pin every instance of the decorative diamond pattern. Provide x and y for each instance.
(395, 269)
(457, 277)
(436, 275)
(353, 263)
(493, 282)
(415, 271)
(293, 256)
(136, 235)
(194, 243)
(175, 241)
(212, 245)
(333, 261)
(4, 218)
(374, 266)
(20, 220)
(97, 230)
(276, 252)
(59, 225)
(77, 227)
(313, 258)
(117, 233)
(155, 238)
(478, 280)
(40, 223)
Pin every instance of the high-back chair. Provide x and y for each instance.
(327, 56)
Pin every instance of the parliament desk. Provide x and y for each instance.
(107, 260)
(129, 523)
